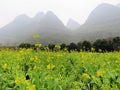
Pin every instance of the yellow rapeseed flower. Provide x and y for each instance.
(5, 79)
(50, 66)
(4, 66)
(46, 48)
(100, 73)
(31, 87)
(17, 80)
(57, 47)
(86, 76)
(36, 59)
(38, 45)
(93, 77)
(31, 59)
(36, 36)
(75, 83)
(93, 49)
(65, 49)
(61, 77)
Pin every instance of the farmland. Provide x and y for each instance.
(26, 69)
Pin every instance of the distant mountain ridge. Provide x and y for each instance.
(118, 5)
(23, 28)
(72, 24)
(103, 22)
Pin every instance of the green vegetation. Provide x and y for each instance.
(28, 69)
(103, 45)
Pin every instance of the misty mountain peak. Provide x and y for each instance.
(103, 12)
(72, 24)
(106, 8)
(38, 16)
(50, 19)
(104, 5)
(22, 17)
(50, 13)
(103, 21)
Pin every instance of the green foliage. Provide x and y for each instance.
(26, 69)
(100, 45)
(86, 46)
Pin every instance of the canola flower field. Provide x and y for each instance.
(26, 69)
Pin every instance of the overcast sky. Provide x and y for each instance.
(64, 9)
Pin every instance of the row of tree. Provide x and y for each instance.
(100, 45)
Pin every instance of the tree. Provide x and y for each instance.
(101, 45)
(116, 43)
(51, 46)
(72, 46)
(109, 46)
(63, 46)
(57, 48)
(86, 45)
(25, 45)
(79, 46)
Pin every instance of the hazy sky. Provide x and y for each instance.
(64, 9)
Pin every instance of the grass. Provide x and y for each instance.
(26, 69)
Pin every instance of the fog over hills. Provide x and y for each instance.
(118, 5)
(72, 24)
(23, 28)
(38, 17)
(103, 22)
(51, 30)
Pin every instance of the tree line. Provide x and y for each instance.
(99, 45)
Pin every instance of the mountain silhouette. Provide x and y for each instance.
(103, 22)
(72, 24)
(23, 28)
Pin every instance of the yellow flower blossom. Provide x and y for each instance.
(86, 76)
(36, 36)
(50, 66)
(17, 80)
(31, 87)
(75, 83)
(4, 66)
(57, 47)
(93, 77)
(35, 59)
(31, 59)
(5, 79)
(61, 77)
(38, 45)
(100, 73)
